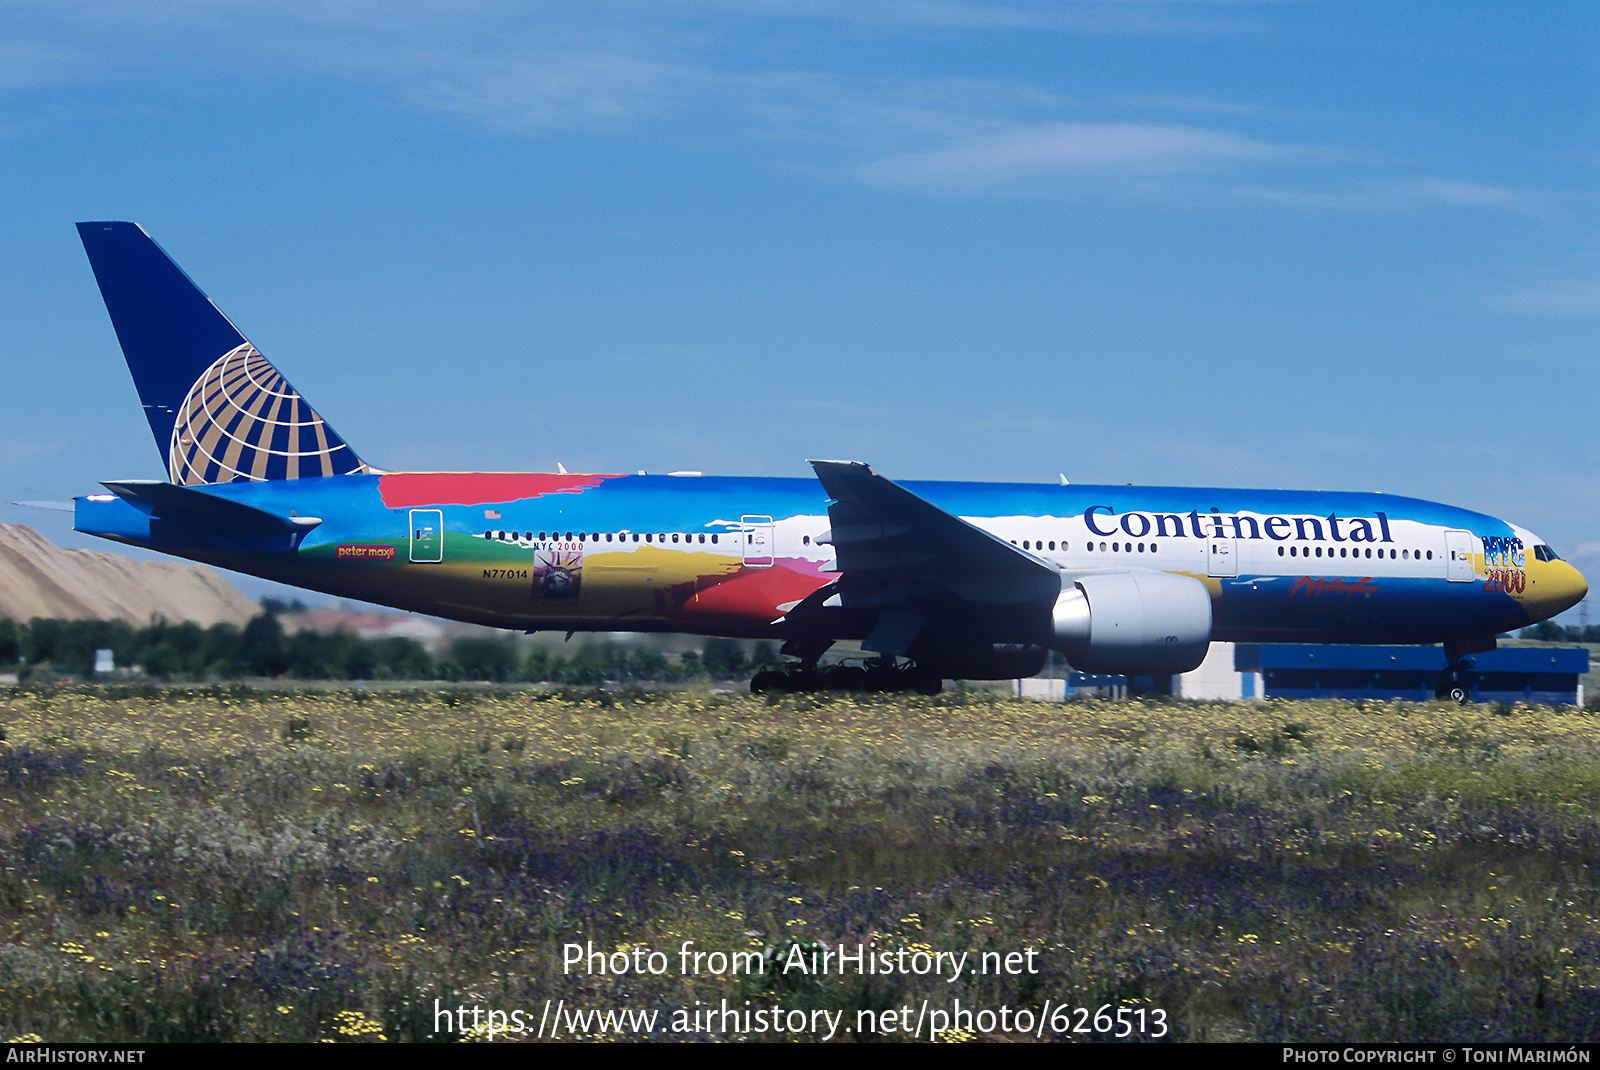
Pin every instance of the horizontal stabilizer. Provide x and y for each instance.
(207, 512)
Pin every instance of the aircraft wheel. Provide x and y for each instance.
(766, 680)
(881, 679)
(848, 678)
(804, 681)
(925, 683)
(1458, 694)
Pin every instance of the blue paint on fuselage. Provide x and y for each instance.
(350, 505)
(1401, 602)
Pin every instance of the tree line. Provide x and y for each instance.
(163, 650)
(1551, 632)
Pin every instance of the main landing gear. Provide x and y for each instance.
(881, 674)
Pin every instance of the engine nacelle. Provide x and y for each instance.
(1135, 623)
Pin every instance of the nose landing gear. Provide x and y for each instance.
(1456, 685)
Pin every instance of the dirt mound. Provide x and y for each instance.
(40, 579)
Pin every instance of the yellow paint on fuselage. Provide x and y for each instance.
(625, 582)
(1543, 588)
(1553, 587)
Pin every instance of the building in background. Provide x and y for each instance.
(1233, 672)
(1509, 674)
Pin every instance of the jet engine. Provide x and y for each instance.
(1136, 623)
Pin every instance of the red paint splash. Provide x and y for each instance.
(406, 490)
(747, 596)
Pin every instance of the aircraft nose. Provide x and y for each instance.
(1556, 588)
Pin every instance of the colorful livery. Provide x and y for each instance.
(938, 580)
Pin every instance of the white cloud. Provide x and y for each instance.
(1466, 194)
(1025, 155)
(691, 65)
(1400, 195)
(1564, 297)
(1082, 16)
(556, 89)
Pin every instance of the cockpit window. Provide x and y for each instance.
(1544, 553)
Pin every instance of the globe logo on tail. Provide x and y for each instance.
(243, 421)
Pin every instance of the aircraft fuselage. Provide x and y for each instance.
(731, 556)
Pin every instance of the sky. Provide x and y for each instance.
(1335, 246)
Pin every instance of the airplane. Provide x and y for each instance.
(936, 580)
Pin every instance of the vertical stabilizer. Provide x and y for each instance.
(219, 411)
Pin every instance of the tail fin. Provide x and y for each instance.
(220, 412)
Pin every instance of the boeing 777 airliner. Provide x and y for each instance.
(938, 580)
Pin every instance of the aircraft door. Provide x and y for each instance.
(1220, 559)
(756, 541)
(427, 535)
(1458, 546)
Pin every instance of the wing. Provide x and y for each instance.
(925, 570)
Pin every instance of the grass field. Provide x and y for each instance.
(244, 865)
